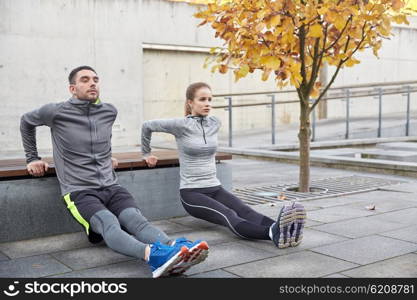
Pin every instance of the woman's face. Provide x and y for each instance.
(201, 104)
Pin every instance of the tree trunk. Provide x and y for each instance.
(304, 139)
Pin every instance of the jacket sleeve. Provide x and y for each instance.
(29, 122)
(172, 126)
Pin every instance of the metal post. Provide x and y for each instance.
(273, 118)
(313, 135)
(230, 120)
(379, 112)
(347, 113)
(407, 124)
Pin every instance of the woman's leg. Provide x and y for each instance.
(202, 206)
(243, 210)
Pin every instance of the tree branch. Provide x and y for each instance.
(316, 66)
(342, 62)
(340, 35)
(302, 36)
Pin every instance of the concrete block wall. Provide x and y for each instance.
(37, 210)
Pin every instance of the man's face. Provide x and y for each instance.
(86, 86)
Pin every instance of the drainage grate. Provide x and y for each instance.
(323, 188)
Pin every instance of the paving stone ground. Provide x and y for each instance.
(342, 238)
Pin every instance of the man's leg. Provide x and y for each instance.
(107, 224)
(89, 205)
(122, 204)
(136, 224)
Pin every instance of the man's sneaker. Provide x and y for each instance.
(197, 252)
(163, 258)
(297, 230)
(281, 228)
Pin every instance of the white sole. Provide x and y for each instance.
(166, 268)
(197, 254)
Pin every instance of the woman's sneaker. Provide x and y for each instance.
(281, 228)
(297, 230)
(163, 258)
(197, 253)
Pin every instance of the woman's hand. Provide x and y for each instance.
(151, 161)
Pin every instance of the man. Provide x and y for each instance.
(81, 130)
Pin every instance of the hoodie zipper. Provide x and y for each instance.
(91, 140)
(204, 133)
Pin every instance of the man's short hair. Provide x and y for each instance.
(71, 77)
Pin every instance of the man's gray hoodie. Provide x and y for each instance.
(81, 137)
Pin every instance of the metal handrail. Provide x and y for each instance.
(333, 97)
(369, 85)
(372, 90)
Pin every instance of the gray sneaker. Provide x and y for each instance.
(296, 230)
(281, 228)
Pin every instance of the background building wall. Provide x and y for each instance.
(41, 41)
(147, 52)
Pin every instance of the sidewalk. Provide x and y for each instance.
(342, 238)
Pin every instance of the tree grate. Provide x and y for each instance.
(322, 188)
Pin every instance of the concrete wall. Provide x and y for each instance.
(38, 210)
(41, 41)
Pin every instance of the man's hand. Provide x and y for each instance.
(37, 168)
(151, 161)
(114, 162)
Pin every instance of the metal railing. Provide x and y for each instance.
(346, 93)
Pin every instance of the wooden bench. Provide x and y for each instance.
(31, 207)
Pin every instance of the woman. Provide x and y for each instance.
(202, 194)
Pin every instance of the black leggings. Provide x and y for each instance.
(216, 205)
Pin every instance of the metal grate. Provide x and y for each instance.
(328, 187)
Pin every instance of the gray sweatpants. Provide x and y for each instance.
(142, 232)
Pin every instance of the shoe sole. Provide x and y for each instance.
(196, 254)
(166, 268)
(300, 217)
(286, 219)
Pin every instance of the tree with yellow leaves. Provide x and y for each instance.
(292, 39)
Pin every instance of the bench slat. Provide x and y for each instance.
(127, 160)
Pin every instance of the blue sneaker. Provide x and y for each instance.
(163, 258)
(197, 252)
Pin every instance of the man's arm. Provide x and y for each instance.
(28, 124)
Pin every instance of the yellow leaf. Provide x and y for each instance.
(275, 20)
(213, 50)
(269, 36)
(242, 72)
(314, 92)
(223, 69)
(331, 16)
(340, 23)
(322, 10)
(295, 67)
(271, 62)
(351, 62)
(397, 4)
(316, 31)
(265, 74)
(400, 19)
(214, 68)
